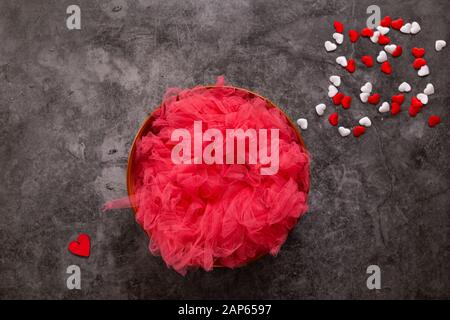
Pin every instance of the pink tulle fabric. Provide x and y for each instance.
(209, 215)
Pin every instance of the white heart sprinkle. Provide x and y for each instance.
(364, 96)
(415, 28)
(367, 87)
(406, 28)
(342, 61)
(320, 109)
(332, 91)
(303, 123)
(423, 71)
(382, 57)
(335, 80)
(338, 37)
(365, 122)
(344, 131)
(429, 89)
(384, 107)
(390, 48)
(423, 98)
(439, 45)
(330, 46)
(383, 30)
(404, 87)
(375, 37)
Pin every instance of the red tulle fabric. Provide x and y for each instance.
(200, 215)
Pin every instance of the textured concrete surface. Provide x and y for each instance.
(71, 102)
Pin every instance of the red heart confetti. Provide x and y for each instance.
(418, 52)
(367, 32)
(397, 52)
(338, 26)
(351, 66)
(359, 131)
(337, 99)
(353, 35)
(418, 63)
(386, 67)
(434, 121)
(386, 22)
(346, 102)
(397, 24)
(333, 119)
(383, 40)
(395, 108)
(374, 99)
(82, 246)
(368, 61)
(413, 111)
(416, 103)
(398, 98)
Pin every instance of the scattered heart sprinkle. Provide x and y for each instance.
(429, 89)
(382, 57)
(423, 98)
(434, 121)
(338, 37)
(330, 46)
(379, 35)
(335, 80)
(384, 107)
(404, 87)
(423, 71)
(359, 131)
(332, 91)
(342, 61)
(320, 109)
(343, 131)
(302, 123)
(333, 119)
(406, 28)
(440, 44)
(365, 122)
(415, 28)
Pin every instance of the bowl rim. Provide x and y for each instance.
(150, 117)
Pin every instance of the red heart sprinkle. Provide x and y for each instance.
(383, 40)
(398, 98)
(418, 52)
(368, 61)
(413, 111)
(353, 35)
(359, 131)
(397, 24)
(434, 120)
(395, 108)
(366, 32)
(338, 26)
(346, 102)
(82, 246)
(374, 99)
(386, 22)
(351, 66)
(397, 52)
(386, 67)
(418, 63)
(333, 119)
(337, 99)
(416, 103)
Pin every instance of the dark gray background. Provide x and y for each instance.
(71, 102)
